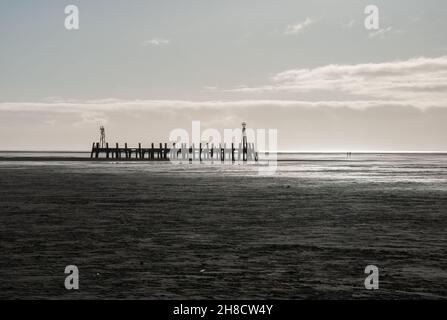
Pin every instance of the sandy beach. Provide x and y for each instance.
(164, 231)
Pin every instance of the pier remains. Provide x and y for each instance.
(244, 151)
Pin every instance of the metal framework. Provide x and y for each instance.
(102, 137)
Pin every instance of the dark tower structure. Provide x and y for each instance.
(102, 137)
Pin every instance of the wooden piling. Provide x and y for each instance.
(93, 150)
(244, 152)
(200, 152)
(222, 153)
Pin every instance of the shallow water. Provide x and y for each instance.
(163, 230)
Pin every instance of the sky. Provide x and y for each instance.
(309, 69)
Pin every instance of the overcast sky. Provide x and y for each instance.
(143, 68)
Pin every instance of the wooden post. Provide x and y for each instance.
(126, 152)
(97, 150)
(165, 156)
(149, 152)
(152, 150)
(139, 149)
(177, 150)
(232, 151)
(222, 155)
(107, 150)
(200, 152)
(93, 150)
(118, 154)
(160, 151)
(244, 152)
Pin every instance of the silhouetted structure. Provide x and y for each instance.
(102, 137)
(245, 151)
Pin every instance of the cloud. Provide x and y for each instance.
(299, 27)
(397, 105)
(94, 110)
(302, 125)
(156, 42)
(210, 88)
(417, 81)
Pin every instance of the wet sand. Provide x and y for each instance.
(164, 231)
